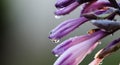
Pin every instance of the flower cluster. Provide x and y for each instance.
(100, 13)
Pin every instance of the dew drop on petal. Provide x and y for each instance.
(58, 17)
(56, 55)
(111, 34)
(61, 8)
(55, 40)
(50, 32)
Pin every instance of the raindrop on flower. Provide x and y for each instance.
(58, 17)
(111, 34)
(56, 55)
(55, 40)
(50, 32)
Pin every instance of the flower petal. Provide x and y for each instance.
(76, 53)
(67, 10)
(63, 3)
(66, 27)
(59, 49)
(107, 25)
(66, 6)
(106, 12)
(90, 7)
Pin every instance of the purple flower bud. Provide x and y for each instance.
(68, 9)
(66, 27)
(75, 49)
(96, 5)
(66, 6)
(107, 25)
(63, 3)
(59, 49)
(105, 13)
(77, 52)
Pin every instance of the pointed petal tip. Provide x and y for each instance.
(56, 54)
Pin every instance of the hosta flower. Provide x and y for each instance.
(105, 13)
(92, 6)
(63, 3)
(100, 13)
(66, 27)
(68, 9)
(74, 50)
(85, 44)
(106, 25)
(59, 49)
(66, 6)
(112, 47)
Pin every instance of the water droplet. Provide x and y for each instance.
(58, 17)
(55, 40)
(50, 32)
(61, 8)
(56, 55)
(111, 34)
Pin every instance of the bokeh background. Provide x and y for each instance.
(25, 27)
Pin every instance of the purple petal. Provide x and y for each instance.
(59, 49)
(66, 6)
(106, 12)
(107, 25)
(90, 7)
(68, 9)
(66, 27)
(73, 56)
(114, 43)
(76, 53)
(112, 47)
(63, 3)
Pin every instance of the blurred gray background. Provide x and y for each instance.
(25, 30)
